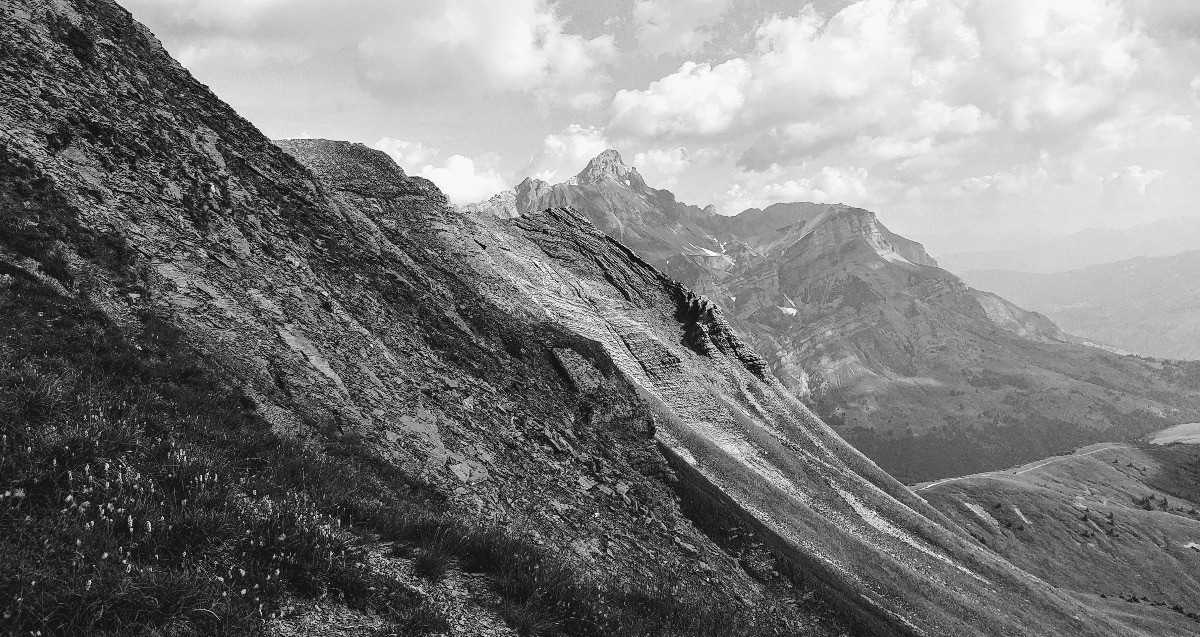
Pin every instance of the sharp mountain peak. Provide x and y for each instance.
(607, 166)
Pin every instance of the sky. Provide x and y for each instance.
(966, 124)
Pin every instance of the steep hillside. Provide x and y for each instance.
(233, 393)
(928, 377)
(1119, 523)
(1149, 306)
(242, 388)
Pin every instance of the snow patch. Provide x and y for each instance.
(984, 516)
(877, 521)
(790, 311)
(1188, 434)
(1021, 515)
(895, 257)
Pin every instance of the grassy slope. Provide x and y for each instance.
(1112, 522)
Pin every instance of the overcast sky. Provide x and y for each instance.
(964, 123)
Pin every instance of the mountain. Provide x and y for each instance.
(926, 375)
(616, 199)
(1149, 306)
(1085, 248)
(285, 386)
(1117, 523)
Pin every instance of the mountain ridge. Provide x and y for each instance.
(901, 355)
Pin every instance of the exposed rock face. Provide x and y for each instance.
(927, 376)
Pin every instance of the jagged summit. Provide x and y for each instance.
(609, 166)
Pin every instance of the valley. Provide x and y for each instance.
(1148, 306)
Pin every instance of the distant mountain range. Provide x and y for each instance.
(1086, 248)
(1149, 306)
(926, 375)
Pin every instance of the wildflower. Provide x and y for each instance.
(89, 586)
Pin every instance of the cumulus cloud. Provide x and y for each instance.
(1130, 180)
(902, 72)
(411, 156)
(830, 184)
(520, 45)
(404, 47)
(464, 180)
(661, 167)
(698, 99)
(937, 101)
(676, 26)
(564, 154)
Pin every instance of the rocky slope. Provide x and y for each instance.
(928, 377)
(521, 384)
(1149, 306)
(335, 314)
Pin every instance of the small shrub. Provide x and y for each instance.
(531, 619)
(435, 557)
(426, 618)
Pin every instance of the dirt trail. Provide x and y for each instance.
(1019, 470)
